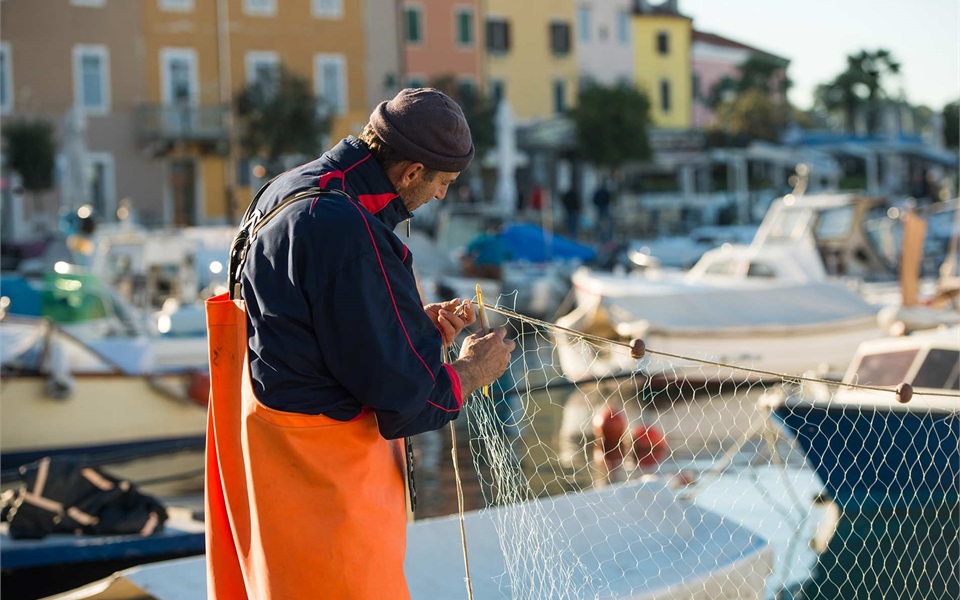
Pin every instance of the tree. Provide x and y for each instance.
(478, 109)
(611, 125)
(751, 115)
(31, 152)
(859, 88)
(759, 72)
(951, 124)
(280, 117)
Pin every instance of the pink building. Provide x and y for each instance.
(713, 58)
(441, 37)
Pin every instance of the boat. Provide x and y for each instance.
(871, 450)
(60, 562)
(641, 543)
(84, 306)
(60, 395)
(769, 306)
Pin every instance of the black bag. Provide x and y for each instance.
(62, 495)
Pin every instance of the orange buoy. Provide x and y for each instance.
(610, 430)
(649, 445)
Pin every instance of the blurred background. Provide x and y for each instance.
(173, 112)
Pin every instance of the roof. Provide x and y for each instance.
(719, 40)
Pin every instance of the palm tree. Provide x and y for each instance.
(859, 88)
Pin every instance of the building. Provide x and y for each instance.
(603, 40)
(154, 81)
(531, 56)
(441, 41)
(198, 55)
(58, 54)
(661, 45)
(713, 59)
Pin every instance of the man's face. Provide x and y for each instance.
(424, 186)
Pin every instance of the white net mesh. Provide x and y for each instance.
(681, 479)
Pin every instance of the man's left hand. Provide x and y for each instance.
(451, 317)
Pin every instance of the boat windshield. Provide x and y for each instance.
(884, 368)
(940, 369)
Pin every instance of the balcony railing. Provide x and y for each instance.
(171, 123)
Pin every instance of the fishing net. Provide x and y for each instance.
(670, 477)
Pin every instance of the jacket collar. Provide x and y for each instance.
(353, 169)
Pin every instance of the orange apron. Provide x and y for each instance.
(297, 506)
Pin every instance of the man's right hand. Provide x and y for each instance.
(483, 358)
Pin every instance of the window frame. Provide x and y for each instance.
(584, 26)
(107, 161)
(557, 27)
(663, 43)
(324, 58)
(408, 10)
(6, 52)
(103, 53)
(319, 11)
(665, 95)
(504, 25)
(253, 58)
(179, 6)
(458, 13)
(260, 11)
(166, 92)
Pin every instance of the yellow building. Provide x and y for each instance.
(530, 55)
(198, 55)
(661, 43)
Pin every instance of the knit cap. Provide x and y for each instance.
(427, 126)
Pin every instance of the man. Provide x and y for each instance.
(305, 486)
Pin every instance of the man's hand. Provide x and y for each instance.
(483, 358)
(451, 317)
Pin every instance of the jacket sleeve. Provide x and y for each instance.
(380, 345)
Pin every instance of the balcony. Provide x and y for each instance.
(161, 128)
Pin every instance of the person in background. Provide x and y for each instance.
(305, 493)
(603, 201)
(572, 205)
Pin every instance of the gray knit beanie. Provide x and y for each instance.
(427, 126)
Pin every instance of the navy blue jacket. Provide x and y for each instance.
(336, 324)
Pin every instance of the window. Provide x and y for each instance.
(663, 43)
(759, 269)
(464, 25)
(330, 82)
(695, 85)
(327, 9)
(498, 91)
(498, 36)
(466, 88)
(559, 96)
(88, 3)
(665, 95)
(940, 369)
(583, 23)
(102, 183)
(415, 81)
(414, 24)
(260, 8)
(623, 27)
(6, 79)
(91, 78)
(560, 39)
(175, 5)
(886, 368)
(263, 69)
(178, 76)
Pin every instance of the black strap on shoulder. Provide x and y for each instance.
(253, 221)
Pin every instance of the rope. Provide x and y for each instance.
(598, 341)
(463, 529)
(460, 501)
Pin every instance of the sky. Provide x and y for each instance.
(817, 36)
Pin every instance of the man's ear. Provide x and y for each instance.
(409, 174)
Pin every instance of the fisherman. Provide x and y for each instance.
(337, 359)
